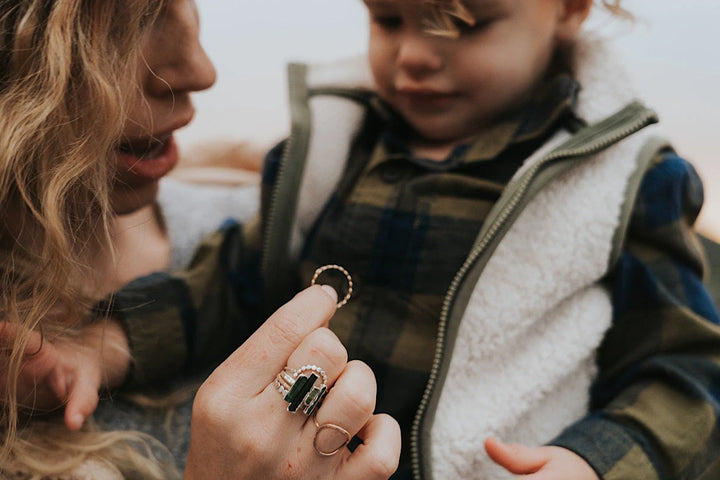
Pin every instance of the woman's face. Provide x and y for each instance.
(173, 64)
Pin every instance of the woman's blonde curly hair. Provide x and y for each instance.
(67, 69)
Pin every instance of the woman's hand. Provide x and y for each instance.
(70, 372)
(540, 463)
(241, 428)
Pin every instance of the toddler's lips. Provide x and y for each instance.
(427, 98)
(145, 160)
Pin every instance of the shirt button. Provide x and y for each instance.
(392, 174)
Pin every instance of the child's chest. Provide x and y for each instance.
(403, 232)
(402, 227)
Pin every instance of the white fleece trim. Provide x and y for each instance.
(537, 315)
(605, 84)
(327, 156)
(329, 146)
(353, 72)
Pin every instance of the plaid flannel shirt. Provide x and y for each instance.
(402, 226)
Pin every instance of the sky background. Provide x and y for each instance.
(672, 52)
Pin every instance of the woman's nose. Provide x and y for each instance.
(418, 54)
(175, 58)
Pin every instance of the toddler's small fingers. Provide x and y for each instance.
(74, 422)
(59, 385)
(10, 332)
(515, 458)
(541, 475)
(82, 402)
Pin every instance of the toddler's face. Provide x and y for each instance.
(450, 89)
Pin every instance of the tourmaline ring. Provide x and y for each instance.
(302, 388)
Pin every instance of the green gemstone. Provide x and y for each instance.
(296, 388)
(309, 409)
(312, 396)
(301, 392)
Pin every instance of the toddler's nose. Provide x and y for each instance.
(418, 54)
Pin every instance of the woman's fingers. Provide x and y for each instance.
(379, 454)
(348, 405)
(317, 362)
(321, 348)
(240, 415)
(254, 365)
(240, 418)
(345, 412)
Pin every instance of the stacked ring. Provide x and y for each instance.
(323, 269)
(329, 426)
(298, 387)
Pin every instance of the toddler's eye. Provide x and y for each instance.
(466, 28)
(388, 22)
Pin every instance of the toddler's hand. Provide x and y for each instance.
(67, 373)
(540, 463)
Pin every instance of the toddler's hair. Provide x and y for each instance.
(614, 7)
(443, 17)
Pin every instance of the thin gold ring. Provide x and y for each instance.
(331, 426)
(320, 270)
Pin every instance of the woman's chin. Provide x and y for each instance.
(126, 200)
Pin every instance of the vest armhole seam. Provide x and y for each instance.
(643, 161)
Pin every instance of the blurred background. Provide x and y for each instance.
(671, 49)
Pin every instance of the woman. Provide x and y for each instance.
(90, 95)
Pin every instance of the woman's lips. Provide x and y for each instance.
(144, 148)
(146, 160)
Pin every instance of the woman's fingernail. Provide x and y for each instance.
(330, 291)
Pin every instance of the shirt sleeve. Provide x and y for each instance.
(193, 318)
(655, 406)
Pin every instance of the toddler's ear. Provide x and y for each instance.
(572, 14)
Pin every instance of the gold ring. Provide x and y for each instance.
(320, 270)
(329, 426)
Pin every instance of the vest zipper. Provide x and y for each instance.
(273, 206)
(603, 139)
(281, 211)
(275, 247)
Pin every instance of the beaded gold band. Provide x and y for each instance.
(320, 270)
(298, 387)
(329, 426)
